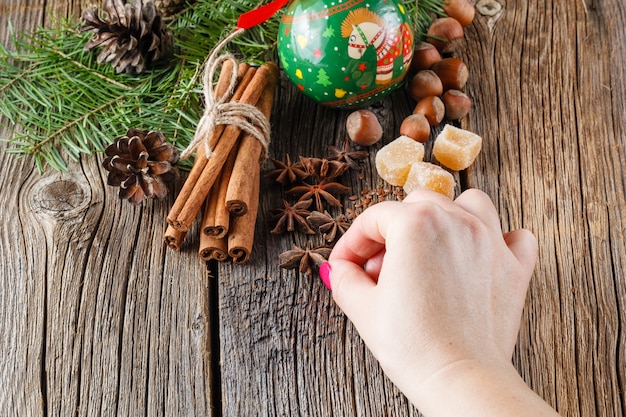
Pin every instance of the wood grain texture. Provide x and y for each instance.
(551, 111)
(286, 348)
(98, 318)
(549, 103)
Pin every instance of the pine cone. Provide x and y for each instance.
(169, 7)
(131, 37)
(140, 163)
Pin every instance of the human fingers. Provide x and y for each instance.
(480, 205)
(355, 262)
(374, 265)
(366, 236)
(351, 287)
(523, 244)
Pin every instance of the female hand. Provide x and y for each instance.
(435, 289)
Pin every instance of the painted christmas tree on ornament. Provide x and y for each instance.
(345, 53)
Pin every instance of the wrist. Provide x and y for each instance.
(473, 388)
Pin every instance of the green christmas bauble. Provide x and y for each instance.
(345, 53)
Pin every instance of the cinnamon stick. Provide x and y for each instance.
(240, 194)
(244, 76)
(213, 248)
(245, 184)
(174, 238)
(264, 75)
(216, 216)
(241, 235)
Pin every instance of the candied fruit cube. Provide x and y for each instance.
(424, 175)
(456, 148)
(393, 161)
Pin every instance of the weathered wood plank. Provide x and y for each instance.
(22, 289)
(554, 162)
(96, 316)
(550, 106)
(286, 348)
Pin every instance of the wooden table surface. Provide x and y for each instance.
(97, 317)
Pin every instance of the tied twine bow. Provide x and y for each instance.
(222, 111)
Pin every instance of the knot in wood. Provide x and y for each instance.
(488, 7)
(60, 198)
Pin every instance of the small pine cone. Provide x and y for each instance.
(169, 7)
(141, 163)
(132, 37)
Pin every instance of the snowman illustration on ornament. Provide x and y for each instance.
(345, 53)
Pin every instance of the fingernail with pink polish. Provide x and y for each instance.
(325, 270)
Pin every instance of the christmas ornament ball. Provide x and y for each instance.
(345, 53)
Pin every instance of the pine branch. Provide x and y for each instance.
(95, 73)
(422, 14)
(60, 101)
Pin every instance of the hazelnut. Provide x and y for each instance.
(424, 56)
(416, 127)
(425, 83)
(443, 31)
(457, 104)
(452, 72)
(461, 10)
(364, 128)
(432, 108)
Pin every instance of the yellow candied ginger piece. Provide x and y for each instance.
(456, 148)
(393, 161)
(424, 175)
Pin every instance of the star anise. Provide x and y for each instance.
(321, 190)
(346, 154)
(292, 217)
(287, 173)
(331, 227)
(305, 260)
(324, 168)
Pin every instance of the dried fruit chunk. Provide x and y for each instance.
(393, 161)
(424, 175)
(457, 148)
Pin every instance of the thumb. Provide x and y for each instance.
(351, 286)
(523, 244)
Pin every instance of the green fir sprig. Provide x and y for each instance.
(422, 14)
(61, 103)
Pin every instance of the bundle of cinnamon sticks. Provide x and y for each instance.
(227, 183)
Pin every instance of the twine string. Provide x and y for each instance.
(222, 111)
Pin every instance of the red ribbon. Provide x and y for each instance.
(259, 15)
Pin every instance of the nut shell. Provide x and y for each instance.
(417, 127)
(424, 56)
(457, 104)
(461, 10)
(364, 128)
(443, 31)
(432, 108)
(452, 72)
(425, 83)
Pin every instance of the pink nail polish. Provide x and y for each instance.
(325, 270)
